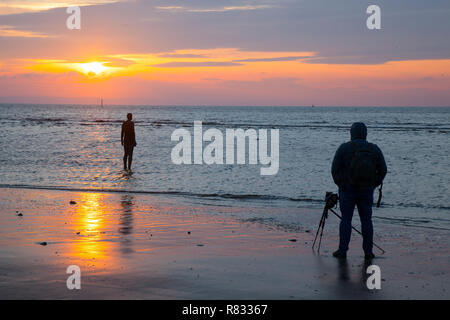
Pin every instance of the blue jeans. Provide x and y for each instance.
(363, 199)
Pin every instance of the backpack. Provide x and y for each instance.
(363, 167)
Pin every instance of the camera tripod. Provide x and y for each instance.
(330, 202)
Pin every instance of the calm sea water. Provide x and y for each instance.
(78, 147)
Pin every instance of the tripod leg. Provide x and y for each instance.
(318, 230)
(321, 233)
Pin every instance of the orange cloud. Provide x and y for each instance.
(9, 31)
(20, 6)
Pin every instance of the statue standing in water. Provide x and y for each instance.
(128, 140)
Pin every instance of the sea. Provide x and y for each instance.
(77, 147)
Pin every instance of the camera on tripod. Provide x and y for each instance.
(331, 200)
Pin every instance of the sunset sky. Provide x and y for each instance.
(229, 52)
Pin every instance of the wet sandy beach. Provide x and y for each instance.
(133, 246)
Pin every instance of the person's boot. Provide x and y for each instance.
(340, 254)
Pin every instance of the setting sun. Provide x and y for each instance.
(92, 68)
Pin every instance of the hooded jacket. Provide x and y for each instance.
(340, 168)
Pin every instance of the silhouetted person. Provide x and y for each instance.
(358, 168)
(128, 141)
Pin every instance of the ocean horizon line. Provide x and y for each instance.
(215, 105)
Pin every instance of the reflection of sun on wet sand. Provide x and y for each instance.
(142, 246)
(100, 225)
(88, 222)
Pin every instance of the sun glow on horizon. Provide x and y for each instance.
(291, 76)
(92, 68)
